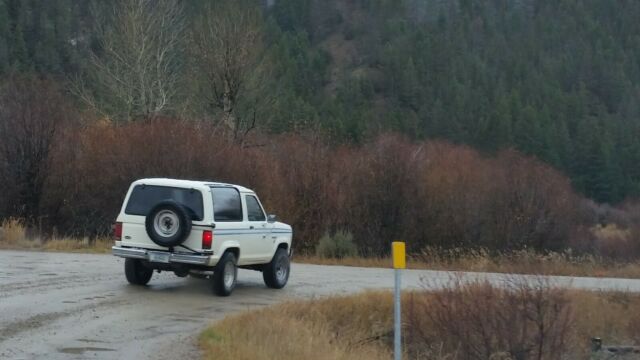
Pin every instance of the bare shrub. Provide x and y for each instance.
(338, 245)
(33, 112)
(109, 157)
(529, 211)
(380, 189)
(428, 194)
(480, 321)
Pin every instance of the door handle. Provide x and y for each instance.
(251, 227)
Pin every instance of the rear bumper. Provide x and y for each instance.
(143, 254)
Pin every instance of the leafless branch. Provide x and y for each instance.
(227, 40)
(137, 69)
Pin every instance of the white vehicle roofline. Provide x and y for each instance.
(189, 183)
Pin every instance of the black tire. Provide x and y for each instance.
(227, 263)
(168, 223)
(136, 272)
(181, 273)
(276, 273)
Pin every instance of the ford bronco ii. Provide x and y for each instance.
(199, 228)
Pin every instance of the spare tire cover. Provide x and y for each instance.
(168, 223)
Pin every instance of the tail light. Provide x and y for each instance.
(207, 239)
(117, 231)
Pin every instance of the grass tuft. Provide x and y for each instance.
(13, 235)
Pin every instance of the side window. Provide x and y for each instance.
(254, 211)
(226, 204)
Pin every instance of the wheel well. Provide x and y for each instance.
(283, 246)
(235, 251)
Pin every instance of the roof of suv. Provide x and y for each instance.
(187, 183)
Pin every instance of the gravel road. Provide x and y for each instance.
(79, 306)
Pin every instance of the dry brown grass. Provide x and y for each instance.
(359, 326)
(515, 262)
(100, 245)
(337, 328)
(14, 235)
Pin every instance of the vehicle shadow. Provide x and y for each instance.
(249, 284)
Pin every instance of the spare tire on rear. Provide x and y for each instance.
(168, 223)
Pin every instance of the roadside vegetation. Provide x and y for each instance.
(14, 235)
(442, 196)
(359, 124)
(472, 321)
(339, 249)
(515, 262)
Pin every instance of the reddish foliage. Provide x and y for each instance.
(431, 193)
(426, 193)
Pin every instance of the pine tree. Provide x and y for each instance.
(4, 37)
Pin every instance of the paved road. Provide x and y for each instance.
(78, 306)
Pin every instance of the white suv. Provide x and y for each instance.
(199, 228)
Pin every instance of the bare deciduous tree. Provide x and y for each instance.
(33, 112)
(227, 42)
(137, 66)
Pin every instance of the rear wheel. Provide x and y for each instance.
(225, 275)
(276, 273)
(136, 272)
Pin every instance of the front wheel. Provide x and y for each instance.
(136, 272)
(225, 275)
(276, 273)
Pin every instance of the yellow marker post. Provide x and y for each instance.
(399, 263)
(399, 256)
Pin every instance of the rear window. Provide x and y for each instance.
(226, 204)
(145, 197)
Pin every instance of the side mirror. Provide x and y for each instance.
(271, 218)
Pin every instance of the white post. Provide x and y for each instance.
(397, 344)
(399, 263)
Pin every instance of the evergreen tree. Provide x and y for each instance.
(555, 79)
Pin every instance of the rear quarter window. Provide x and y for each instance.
(226, 204)
(144, 197)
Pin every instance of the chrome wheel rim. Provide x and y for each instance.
(229, 274)
(282, 270)
(166, 223)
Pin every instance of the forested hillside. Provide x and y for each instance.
(500, 125)
(556, 79)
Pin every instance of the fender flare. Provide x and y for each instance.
(228, 244)
(277, 246)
